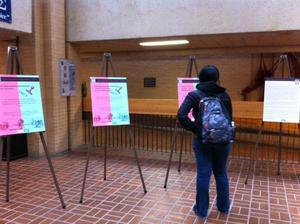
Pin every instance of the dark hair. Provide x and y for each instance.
(209, 73)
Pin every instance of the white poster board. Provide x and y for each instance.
(282, 101)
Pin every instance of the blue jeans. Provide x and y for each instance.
(211, 158)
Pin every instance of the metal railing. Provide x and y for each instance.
(154, 133)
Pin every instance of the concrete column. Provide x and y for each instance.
(40, 52)
(75, 104)
(54, 49)
(32, 58)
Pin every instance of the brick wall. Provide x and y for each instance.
(236, 72)
(3, 56)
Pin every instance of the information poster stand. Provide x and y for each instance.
(283, 109)
(13, 55)
(191, 85)
(106, 61)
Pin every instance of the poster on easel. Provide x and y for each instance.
(184, 86)
(109, 101)
(282, 101)
(21, 109)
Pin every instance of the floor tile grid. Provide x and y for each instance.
(153, 169)
(94, 185)
(233, 195)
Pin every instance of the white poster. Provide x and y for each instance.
(282, 101)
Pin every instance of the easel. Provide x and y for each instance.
(13, 54)
(283, 58)
(106, 61)
(189, 70)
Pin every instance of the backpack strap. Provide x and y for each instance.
(223, 106)
(201, 94)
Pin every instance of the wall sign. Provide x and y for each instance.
(67, 71)
(5, 11)
(150, 82)
(109, 101)
(21, 109)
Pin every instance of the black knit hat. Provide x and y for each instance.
(209, 73)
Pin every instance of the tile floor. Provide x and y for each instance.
(267, 198)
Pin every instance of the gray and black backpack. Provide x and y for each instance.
(215, 124)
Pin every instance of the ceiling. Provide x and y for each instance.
(238, 40)
(198, 44)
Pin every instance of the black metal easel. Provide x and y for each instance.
(106, 61)
(283, 58)
(191, 63)
(13, 55)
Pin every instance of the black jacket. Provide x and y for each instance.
(192, 100)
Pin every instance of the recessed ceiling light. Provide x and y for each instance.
(164, 43)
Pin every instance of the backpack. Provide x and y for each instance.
(214, 121)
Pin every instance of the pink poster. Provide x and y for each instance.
(109, 101)
(186, 85)
(21, 108)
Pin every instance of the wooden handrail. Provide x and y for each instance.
(241, 109)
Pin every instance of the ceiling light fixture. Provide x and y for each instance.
(164, 43)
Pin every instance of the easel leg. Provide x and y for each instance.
(52, 170)
(87, 162)
(254, 152)
(171, 154)
(1, 153)
(181, 149)
(279, 149)
(294, 137)
(7, 167)
(105, 151)
(137, 159)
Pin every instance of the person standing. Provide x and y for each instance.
(210, 157)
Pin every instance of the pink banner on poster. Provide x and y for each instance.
(186, 85)
(11, 117)
(101, 103)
